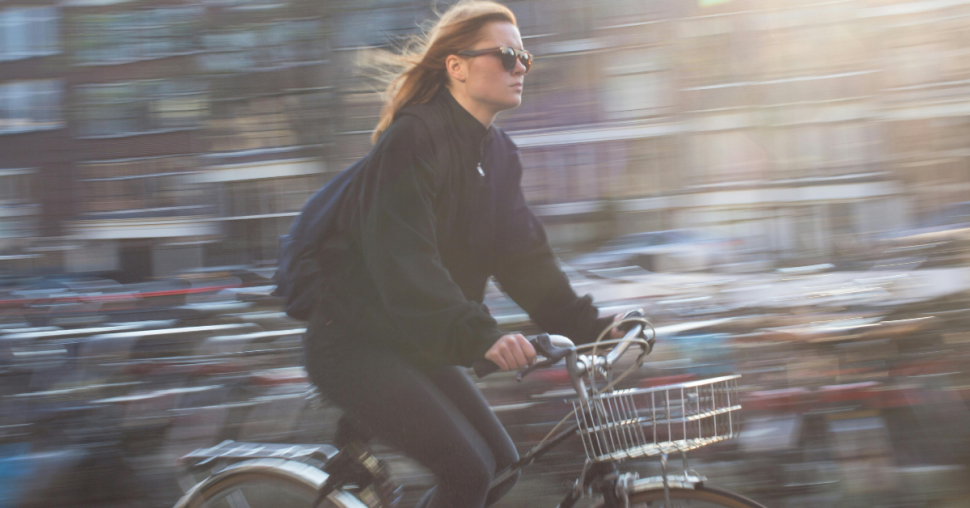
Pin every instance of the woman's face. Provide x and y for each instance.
(488, 83)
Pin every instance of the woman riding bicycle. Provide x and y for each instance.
(415, 229)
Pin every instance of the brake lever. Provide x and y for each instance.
(535, 366)
(553, 354)
(635, 313)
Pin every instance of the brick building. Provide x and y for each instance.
(35, 147)
(149, 136)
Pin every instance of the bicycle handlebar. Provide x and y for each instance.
(557, 347)
(545, 345)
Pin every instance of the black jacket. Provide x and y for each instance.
(408, 237)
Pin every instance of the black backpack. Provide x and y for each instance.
(297, 277)
(298, 274)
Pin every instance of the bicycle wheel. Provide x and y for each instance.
(263, 490)
(690, 498)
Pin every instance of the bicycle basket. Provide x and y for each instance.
(664, 419)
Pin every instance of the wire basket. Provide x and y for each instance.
(643, 422)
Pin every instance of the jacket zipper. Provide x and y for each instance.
(481, 156)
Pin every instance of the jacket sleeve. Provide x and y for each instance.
(398, 241)
(527, 270)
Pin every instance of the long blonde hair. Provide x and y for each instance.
(421, 64)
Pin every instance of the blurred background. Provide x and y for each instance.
(789, 178)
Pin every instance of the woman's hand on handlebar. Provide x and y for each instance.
(616, 332)
(511, 352)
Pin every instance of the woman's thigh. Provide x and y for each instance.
(455, 384)
(459, 388)
(404, 409)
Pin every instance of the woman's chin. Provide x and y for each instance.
(514, 101)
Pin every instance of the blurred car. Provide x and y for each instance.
(940, 240)
(953, 215)
(676, 250)
(67, 300)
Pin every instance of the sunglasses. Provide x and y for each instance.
(508, 56)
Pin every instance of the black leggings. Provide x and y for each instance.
(436, 416)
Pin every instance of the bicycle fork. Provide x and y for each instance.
(602, 477)
(616, 487)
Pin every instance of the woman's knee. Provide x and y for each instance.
(505, 457)
(503, 488)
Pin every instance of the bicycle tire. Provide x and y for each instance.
(701, 497)
(263, 489)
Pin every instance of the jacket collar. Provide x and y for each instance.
(468, 129)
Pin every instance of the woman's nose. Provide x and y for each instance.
(519, 69)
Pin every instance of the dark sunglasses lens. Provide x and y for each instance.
(508, 59)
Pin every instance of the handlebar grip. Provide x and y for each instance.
(485, 367)
(543, 346)
(635, 313)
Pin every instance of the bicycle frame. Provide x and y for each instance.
(596, 471)
(354, 464)
(601, 475)
(349, 469)
(593, 473)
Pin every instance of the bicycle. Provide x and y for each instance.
(614, 424)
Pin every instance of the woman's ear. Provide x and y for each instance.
(457, 68)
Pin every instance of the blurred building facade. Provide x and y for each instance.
(766, 123)
(264, 141)
(35, 148)
(925, 107)
(137, 103)
(152, 136)
(142, 138)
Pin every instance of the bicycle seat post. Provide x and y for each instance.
(364, 469)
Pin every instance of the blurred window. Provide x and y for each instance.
(141, 106)
(674, 237)
(778, 146)
(16, 186)
(361, 111)
(707, 52)
(246, 4)
(850, 144)
(136, 35)
(266, 46)
(726, 156)
(808, 147)
(30, 105)
(253, 198)
(158, 184)
(377, 25)
(27, 32)
(258, 122)
(628, 12)
(637, 85)
(16, 227)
